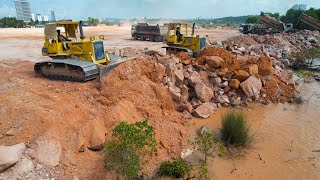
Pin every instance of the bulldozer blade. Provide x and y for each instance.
(104, 70)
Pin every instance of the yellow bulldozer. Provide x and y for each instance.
(74, 59)
(178, 40)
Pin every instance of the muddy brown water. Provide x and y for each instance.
(285, 137)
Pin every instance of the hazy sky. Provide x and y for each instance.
(81, 9)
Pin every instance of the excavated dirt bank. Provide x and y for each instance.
(82, 115)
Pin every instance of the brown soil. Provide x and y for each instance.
(33, 106)
(277, 90)
(230, 61)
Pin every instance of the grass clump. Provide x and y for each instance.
(177, 169)
(235, 129)
(306, 74)
(298, 99)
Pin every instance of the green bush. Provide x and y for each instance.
(298, 99)
(176, 169)
(235, 129)
(132, 141)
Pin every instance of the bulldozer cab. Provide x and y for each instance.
(69, 30)
(178, 40)
(176, 33)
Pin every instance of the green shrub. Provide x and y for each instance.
(306, 74)
(176, 169)
(298, 99)
(132, 141)
(235, 130)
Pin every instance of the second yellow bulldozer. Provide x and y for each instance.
(74, 59)
(178, 40)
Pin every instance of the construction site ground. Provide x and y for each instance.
(32, 107)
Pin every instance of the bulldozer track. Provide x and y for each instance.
(67, 69)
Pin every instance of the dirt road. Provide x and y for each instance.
(26, 44)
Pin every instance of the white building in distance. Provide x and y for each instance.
(53, 16)
(45, 18)
(39, 17)
(23, 10)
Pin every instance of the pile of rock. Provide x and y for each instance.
(199, 86)
(278, 47)
(16, 162)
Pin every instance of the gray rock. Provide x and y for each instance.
(186, 115)
(24, 166)
(179, 77)
(286, 62)
(205, 110)
(224, 84)
(184, 93)
(47, 150)
(203, 92)
(38, 167)
(175, 92)
(194, 79)
(251, 87)
(10, 155)
(223, 99)
(236, 101)
(216, 80)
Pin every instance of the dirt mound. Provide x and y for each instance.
(139, 82)
(241, 41)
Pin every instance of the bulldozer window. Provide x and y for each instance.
(172, 32)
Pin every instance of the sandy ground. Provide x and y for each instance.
(26, 44)
(285, 134)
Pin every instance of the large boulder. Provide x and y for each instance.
(203, 92)
(205, 110)
(184, 106)
(24, 166)
(179, 77)
(96, 136)
(175, 93)
(47, 150)
(184, 93)
(170, 67)
(251, 87)
(10, 155)
(214, 61)
(194, 79)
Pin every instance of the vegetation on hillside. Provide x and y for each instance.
(131, 142)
